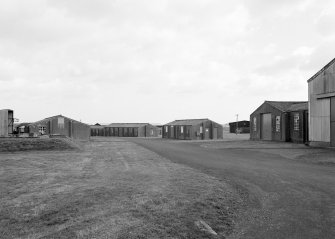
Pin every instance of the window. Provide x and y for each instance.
(166, 129)
(21, 129)
(200, 129)
(181, 129)
(255, 124)
(296, 121)
(152, 132)
(277, 123)
(41, 129)
(61, 122)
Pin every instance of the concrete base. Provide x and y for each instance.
(319, 144)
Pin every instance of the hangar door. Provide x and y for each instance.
(332, 122)
(266, 129)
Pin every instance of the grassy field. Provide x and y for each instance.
(110, 189)
(28, 144)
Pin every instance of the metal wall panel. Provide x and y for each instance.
(215, 133)
(320, 120)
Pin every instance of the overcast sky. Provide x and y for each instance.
(159, 60)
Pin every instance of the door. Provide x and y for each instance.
(266, 128)
(215, 133)
(171, 132)
(305, 130)
(332, 121)
(207, 133)
(188, 132)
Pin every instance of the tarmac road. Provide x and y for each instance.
(283, 198)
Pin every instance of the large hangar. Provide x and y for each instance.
(321, 97)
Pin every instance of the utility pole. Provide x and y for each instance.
(236, 123)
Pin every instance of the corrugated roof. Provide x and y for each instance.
(57, 117)
(322, 70)
(187, 122)
(131, 125)
(242, 121)
(297, 107)
(283, 105)
(22, 124)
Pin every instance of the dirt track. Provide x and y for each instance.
(287, 192)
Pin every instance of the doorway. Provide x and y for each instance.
(207, 133)
(266, 127)
(215, 133)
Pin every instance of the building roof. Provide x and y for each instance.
(130, 125)
(297, 107)
(97, 126)
(22, 124)
(242, 121)
(322, 70)
(56, 116)
(187, 122)
(284, 105)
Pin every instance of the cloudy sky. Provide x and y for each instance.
(159, 60)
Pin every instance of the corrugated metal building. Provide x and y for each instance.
(97, 130)
(280, 121)
(61, 125)
(6, 122)
(127, 130)
(200, 129)
(321, 97)
(242, 127)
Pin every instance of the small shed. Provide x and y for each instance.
(242, 127)
(22, 129)
(130, 130)
(62, 126)
(280, 121)
(199, 129)
(321, 97)
(6, 122)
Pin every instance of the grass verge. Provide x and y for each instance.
(110, 189)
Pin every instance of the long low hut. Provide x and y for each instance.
(125, 130)
(200, 129)
(242, 127)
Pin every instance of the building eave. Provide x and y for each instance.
(320, 71)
